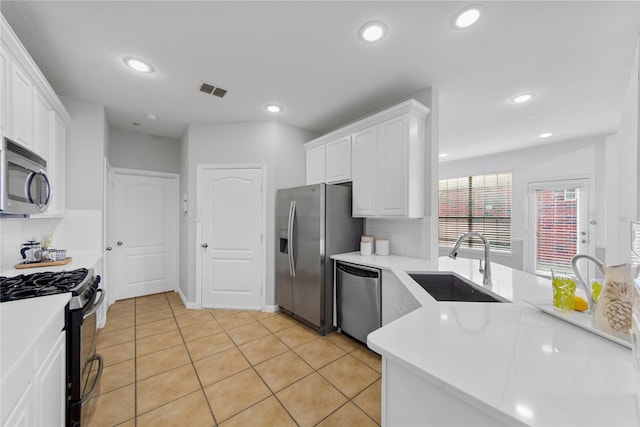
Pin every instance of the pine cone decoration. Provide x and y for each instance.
(618, 308)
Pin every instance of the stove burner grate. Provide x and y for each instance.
(40, 284)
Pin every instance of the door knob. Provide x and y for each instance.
(119, 242)
(204, 245)
(108, 248)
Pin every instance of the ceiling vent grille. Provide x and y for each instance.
(212, 90)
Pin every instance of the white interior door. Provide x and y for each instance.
(232, 250)
(144, 236)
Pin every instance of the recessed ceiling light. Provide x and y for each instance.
(442, 155)
(545, 135)
(138, 65)
(273, 108)
(466, 17)
(373, 31)
(152, 116)
(522, 98)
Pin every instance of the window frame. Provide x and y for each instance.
(504, 246)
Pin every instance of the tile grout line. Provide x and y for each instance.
(184, 342)
(289, 347)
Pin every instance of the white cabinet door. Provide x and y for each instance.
(363, 172)
(23, 413)
(392, 167)
(56, 165)
(338, 160)
(5, 98)
(315, 165)
(42, 126)
(397, 300)
(50, 386)
(22, 106)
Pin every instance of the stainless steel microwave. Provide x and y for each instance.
(24, 184)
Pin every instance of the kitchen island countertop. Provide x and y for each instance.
(508, 360)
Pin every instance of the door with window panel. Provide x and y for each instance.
(559, 226)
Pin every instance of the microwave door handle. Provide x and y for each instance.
(46, 183)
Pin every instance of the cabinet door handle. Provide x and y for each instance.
(204, 245)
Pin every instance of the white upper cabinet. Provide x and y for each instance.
(338, 160)
(364, 170)
(31, 113)
(57, 165)
(315, 165)
(387, 162)
(5, 91)
(21, 106)
(42, 116)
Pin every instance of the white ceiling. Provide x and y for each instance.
(306, 56)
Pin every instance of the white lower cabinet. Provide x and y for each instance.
(396, 298)
(33, 375)
(43, 401)
(50, 382)
(23, 413)
(409, 399)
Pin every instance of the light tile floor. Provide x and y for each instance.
(166, 365)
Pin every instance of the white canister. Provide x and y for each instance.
(365, 248)
(366, 238)
(382, 246)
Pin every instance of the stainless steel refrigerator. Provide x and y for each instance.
(312, 223)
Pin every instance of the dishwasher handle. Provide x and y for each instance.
(358, 270)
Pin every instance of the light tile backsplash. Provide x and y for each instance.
(78, 231)
(407, 237)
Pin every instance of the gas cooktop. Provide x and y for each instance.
(42, 284)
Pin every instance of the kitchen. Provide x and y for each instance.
(98, 129)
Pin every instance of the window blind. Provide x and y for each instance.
(480, 203)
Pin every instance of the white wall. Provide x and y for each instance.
(86, 139)
(278, 146)
(135, 150)
(622, 176)
(568, 160)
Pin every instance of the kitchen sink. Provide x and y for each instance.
(449, 287)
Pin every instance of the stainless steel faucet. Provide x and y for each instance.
(486, 279)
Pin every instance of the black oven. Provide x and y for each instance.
(84, 365)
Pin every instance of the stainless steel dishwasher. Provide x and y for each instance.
(359, 310)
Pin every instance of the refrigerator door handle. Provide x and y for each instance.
(292, 213)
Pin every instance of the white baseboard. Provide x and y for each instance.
(271, 309)
(186, 303)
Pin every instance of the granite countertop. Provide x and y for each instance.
(507, 357)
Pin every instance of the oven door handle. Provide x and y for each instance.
(95, 305)
(88, 394)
